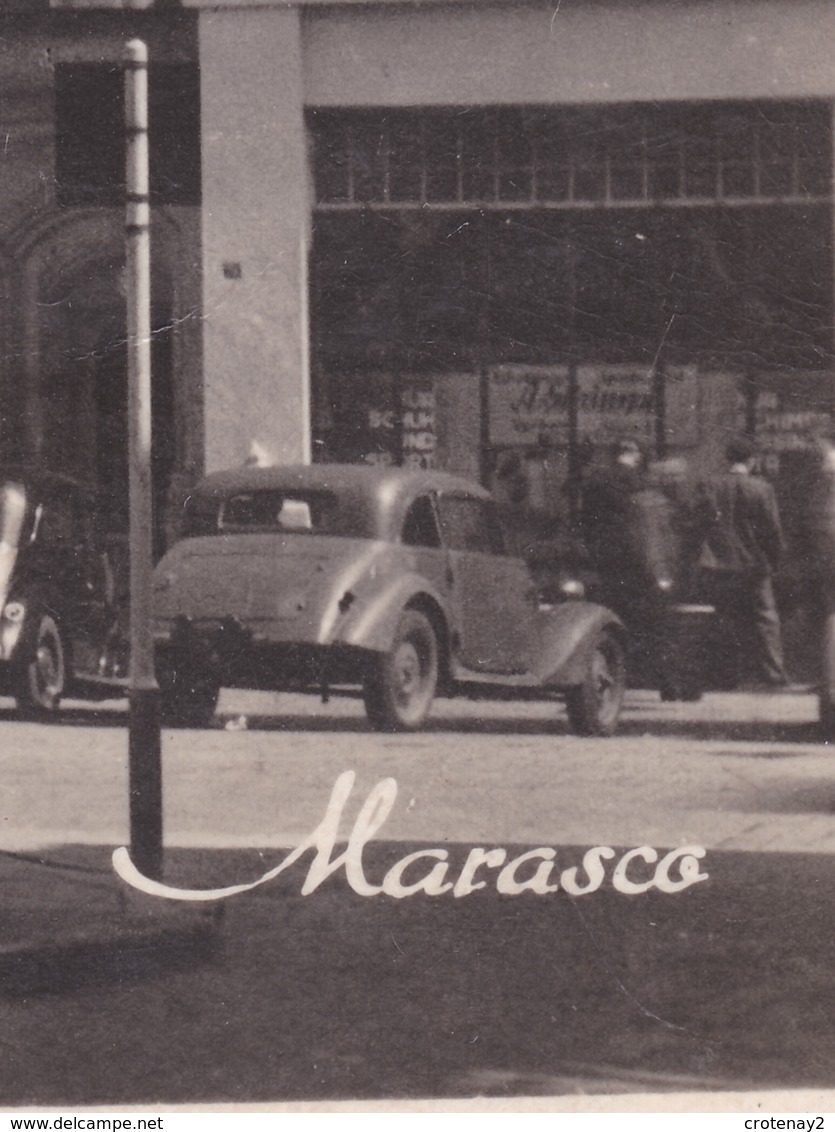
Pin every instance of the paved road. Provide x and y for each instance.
(733, 772)
(727, 985)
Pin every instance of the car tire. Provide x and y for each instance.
(594, 705)
(188, 697)
(400, 687)
(826, 690)
(42, 678)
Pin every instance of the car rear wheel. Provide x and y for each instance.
(188, 696)
(401, 685)
(594, 705)
(43, 673)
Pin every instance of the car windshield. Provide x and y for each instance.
(269, 511)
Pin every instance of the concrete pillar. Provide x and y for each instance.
(256, 219)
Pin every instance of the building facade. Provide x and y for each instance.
(484, 236)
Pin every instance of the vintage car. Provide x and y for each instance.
(326, 578)
(63, 612)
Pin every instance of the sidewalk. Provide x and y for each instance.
(68, 921)
(727, 986)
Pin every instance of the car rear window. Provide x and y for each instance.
(266, 512)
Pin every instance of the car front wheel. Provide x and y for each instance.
(43, 673)
(401, 685)
(594, 705)
(188, 696)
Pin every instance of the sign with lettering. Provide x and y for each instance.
(419, 439)
(400, 427)
(615, 400)
(528, 404)
(781, 427)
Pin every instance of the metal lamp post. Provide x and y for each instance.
(144, 748)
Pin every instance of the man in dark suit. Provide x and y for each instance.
(742, 550)
(628, 528)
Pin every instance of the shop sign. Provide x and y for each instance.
(419, 439)
(779, 428)
(615, 400)
(528, 404)
(404, 434)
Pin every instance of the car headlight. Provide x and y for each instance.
(14, 612)
(572, 587)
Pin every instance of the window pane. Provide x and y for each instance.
(469, 525)
(442, 158)
(420, 527)
(405, 158)
(330, 157)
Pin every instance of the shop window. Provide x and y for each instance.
(90, 134)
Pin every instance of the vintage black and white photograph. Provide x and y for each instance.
(417, 552)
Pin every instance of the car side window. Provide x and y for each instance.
(470, 524)
(420, 527)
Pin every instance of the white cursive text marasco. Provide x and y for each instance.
(429, 871)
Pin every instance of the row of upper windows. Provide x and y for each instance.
(572, 156)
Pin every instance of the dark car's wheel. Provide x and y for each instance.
(594, 706)
(826, 693)
(188, 696)
(42, 678)
(401, 684)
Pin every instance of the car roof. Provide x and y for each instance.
(368, 478)
(378, 496)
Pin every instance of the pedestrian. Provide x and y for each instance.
(628, 529)
(816, 588)
(607, 514)
(817, 523)
(740, 553)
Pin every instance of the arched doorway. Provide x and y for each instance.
(81, 389)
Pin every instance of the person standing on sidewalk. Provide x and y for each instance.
(607, 517)
(741, 551)
(627, 529)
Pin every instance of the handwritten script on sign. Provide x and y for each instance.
(428, 869)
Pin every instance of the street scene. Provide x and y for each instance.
(334, 995)
(417, 552)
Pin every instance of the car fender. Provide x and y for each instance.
(17, 620)
(371, 620)
(568, 634)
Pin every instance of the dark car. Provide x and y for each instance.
(328, 577)
(63, 609)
